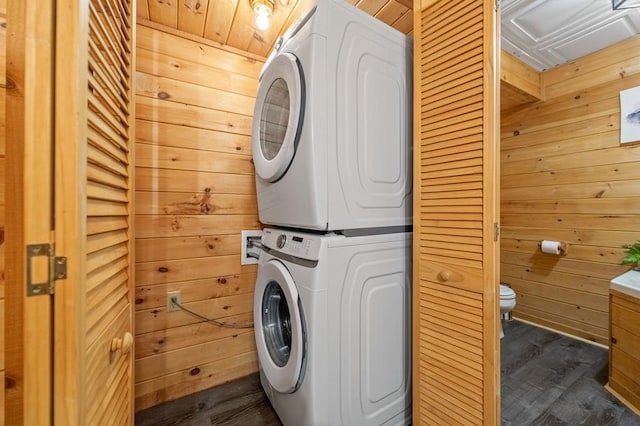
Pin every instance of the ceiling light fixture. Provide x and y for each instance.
(263, 10)
(624, 4)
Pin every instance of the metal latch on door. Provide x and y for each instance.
(57, 268)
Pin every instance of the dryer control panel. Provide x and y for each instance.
(305, 246)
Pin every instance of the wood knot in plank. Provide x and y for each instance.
(9, 382)
(163, 95)
(222, 280)
(163, 269)
(205, 208)
(194, 371)
(10, 84)
(516, 133)
(600, 194)
(175, 224)
(3, 25)
(139, 300)
(193, 6)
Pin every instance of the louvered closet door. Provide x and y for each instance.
(456, 359)
(94, 187)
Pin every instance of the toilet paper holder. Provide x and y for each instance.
(563, 247)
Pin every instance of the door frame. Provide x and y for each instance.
(29, 190)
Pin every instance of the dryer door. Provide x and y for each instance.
(277, 117)
(279, 327)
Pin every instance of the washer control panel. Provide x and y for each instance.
(305, 246)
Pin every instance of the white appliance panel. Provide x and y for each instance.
(355, 300)
(352, 165)
(376, 321)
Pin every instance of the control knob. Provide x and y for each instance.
(281, 241)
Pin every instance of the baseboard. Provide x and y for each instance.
(582, 339)
(622, 399)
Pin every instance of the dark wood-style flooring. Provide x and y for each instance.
(547, 379)
(551, 379)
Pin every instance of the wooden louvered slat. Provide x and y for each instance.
(112, 413)
(107, 97)
(106, 239)
(97, 225)
(94, 123)
(96, 395)
(105, 192)
(473, 405)
(97, 373)
(100, 294)
(106, 208)
(97, 140)
(452, 407)
(99, 124)
(106, 60)
(99, 174)
(107, 255)
(109, 82)
(101, 275)
(102, 111)
(455, 341)
(104, 37)
(101, 316)
(103, 404)
(101, 159)
(98, 61)
(121, 21)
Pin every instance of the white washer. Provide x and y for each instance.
(332, 129)
(332, 319)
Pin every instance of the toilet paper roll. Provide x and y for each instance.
(550, 247)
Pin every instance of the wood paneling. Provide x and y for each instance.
(566, 177)
(195, 193)
(3, 56)
(455, 206)
(518, 74)
(232, 22)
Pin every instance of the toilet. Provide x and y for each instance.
(507, 303)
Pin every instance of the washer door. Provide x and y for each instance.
(279, 327)
(277, 118)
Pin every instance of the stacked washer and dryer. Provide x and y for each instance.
(332, 150)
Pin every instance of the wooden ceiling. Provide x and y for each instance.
(232, 22)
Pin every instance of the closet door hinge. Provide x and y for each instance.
(496, 231)
(41, 257)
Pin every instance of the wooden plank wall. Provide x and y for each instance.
(195, 192)
(3, 57)
(566, 177)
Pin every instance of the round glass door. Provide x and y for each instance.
(276, 324)
(277, 118)
(279, 327)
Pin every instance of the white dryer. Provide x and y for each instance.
(332, 127)
(332, 319)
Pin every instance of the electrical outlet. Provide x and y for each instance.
(171, 297)
(247, 254)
